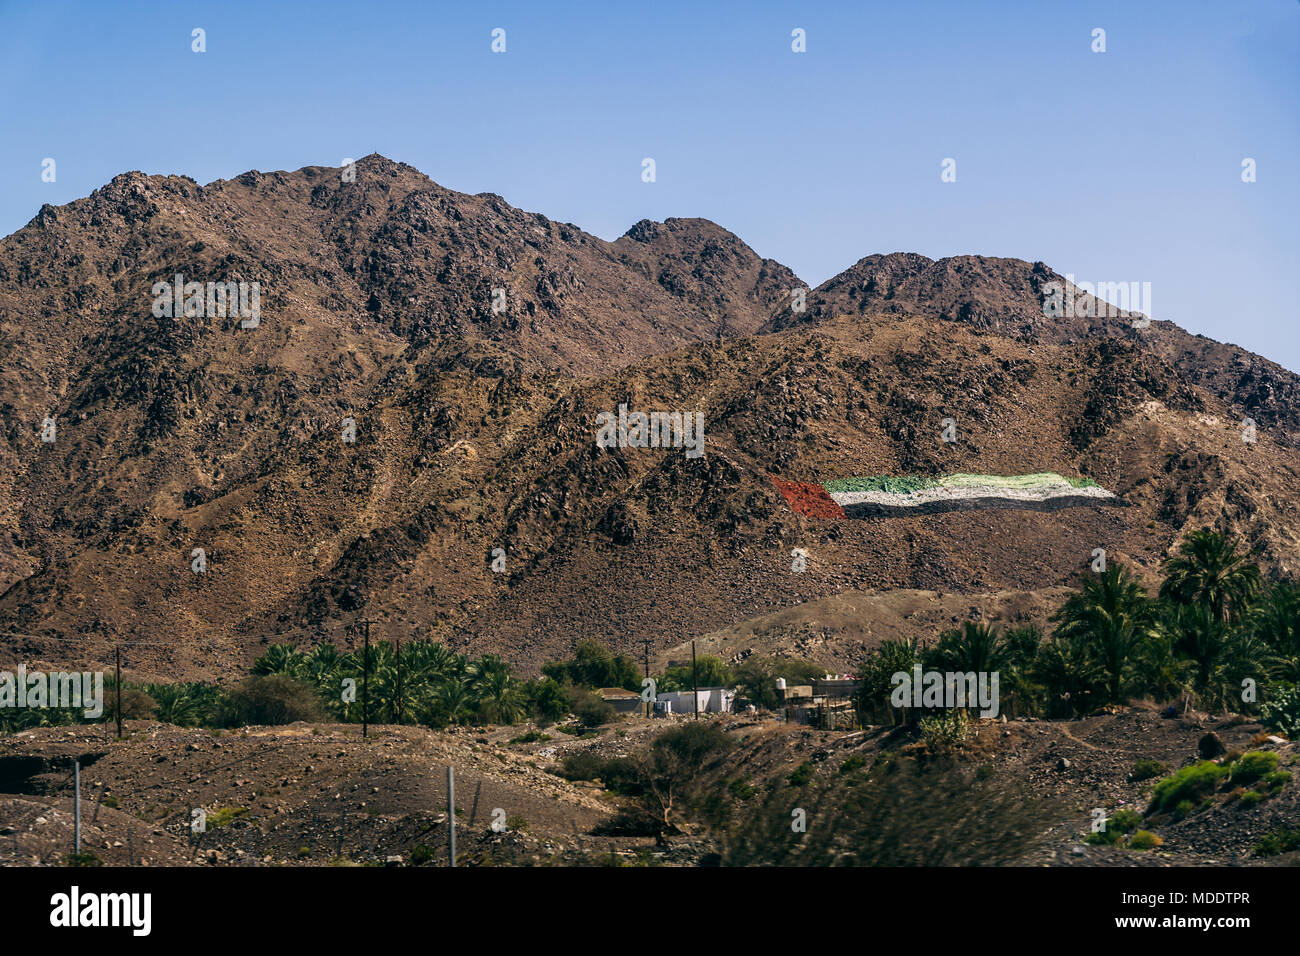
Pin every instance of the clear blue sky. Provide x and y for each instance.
(1115, 166)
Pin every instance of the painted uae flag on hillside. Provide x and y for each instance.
(887, 496)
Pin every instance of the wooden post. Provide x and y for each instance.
(117, 670)
(649, 705)
(365, 682)
(695, 684)
(451, 813)
(76, 808)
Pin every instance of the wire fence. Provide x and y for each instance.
(326, 831)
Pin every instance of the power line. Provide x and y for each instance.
(319, 630)
(87, 639)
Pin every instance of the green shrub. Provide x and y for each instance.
(622, 775)
(593, 711)
(1125, 821)
(582, 765)
(671, 778)
(1278, 841)
(618, 774)
(136, 704)
(1144, 840)
(1254, 765)
(1117, 824)
(1146, 769)
(944, 731)
(422, 855)
(802, 775)
(270, 699)
(1277, 779)
(533, 736)
(549, 699)
(708, 671)
(853, 763)
(595, 665)
(742, 789)
(1183, 809)
(907, 813)
(1282, 711)
(224, 816)
(1251, 797)
(1190, 783)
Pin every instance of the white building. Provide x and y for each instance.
(712, 700)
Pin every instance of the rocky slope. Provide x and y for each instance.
(475, 429)
(314, 794)
(1006, 297)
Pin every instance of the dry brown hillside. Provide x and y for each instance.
(475, 430)
(1005, 297)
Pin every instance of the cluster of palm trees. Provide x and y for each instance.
(1213, 635)
(417, 682)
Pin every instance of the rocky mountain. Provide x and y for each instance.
(1006, 297)
(382, 443)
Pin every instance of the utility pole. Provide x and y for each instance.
(399, 680)
(76, 807)
(365, 682)
(451, 812)
(695, 683)
(117, 682)
(646, 642)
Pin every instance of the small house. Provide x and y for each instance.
(623, 701)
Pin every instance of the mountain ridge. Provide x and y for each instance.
(474, 428)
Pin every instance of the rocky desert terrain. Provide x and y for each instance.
(300, 795)
(405, 441)
(474, 427)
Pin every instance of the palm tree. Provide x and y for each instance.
(1110, 616)
(975, 647)
(1247, 656)
(495, 690)
(1165, 675)
(893, 656)
(452, 702)
(1069, 674)
(1019, 651)
(280, 659)
(497, 695)
(1208, 570)
(431, 661)
(1276, 620)
(1198, 636)
(184, 705)
(321, 664)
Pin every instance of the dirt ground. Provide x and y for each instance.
(320, 794)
